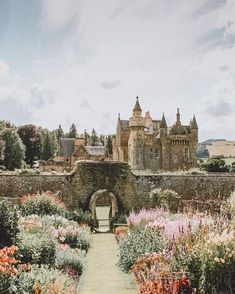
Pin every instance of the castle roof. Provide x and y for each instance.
(194, 123)
(66, 146)
(137, 105)
(163, 122)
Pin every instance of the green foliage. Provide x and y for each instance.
(202, 153)
(31, 138)
(94, 140)
(59, 133)
(14, 149)
(119, 219)
(110, 145)
(72, 132)
(74, 236)
(70, 261)
(168, 199)
(8, 224)
(215, 164)
(2, 147)
(82, 217)
(36, 248)
(48, 147)
(47, 280)
(233, 167)
(42, 204)
(6, 282)
(137, 243)
(211, 263)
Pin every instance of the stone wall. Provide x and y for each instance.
(14, 186)
(131, 191)
(211, 189)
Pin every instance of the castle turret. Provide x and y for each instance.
(136, 138)
(178, 122)
(163, 124)
(194, 123)
(194, 128)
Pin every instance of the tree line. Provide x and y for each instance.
(23, 145)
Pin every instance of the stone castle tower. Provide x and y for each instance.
(148, 144)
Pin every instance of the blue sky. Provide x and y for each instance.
(83, 61)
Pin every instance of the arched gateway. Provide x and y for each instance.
(103, 206)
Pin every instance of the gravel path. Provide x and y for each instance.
(102, 275)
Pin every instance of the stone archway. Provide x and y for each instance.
(103, 206)
(101, 197)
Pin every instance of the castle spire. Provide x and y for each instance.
(163, 122)
(178, 123)
(137, 105)
(194, 123)
(119, 117)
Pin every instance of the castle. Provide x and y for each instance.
(148, 144)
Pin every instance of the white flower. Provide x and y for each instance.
(222, 260)
(216, 259)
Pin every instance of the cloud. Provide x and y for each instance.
(4, 69)
(224, 68)
(220, 109)
(209, 5)
(85, 105)
(40, 97)
(110, 85)
(58, 13)
(12, 110)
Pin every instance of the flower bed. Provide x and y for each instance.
(194, 252)
(49, 250)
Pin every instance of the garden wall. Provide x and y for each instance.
(131, 191)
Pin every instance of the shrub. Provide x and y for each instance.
(70, 261)
(118, 219)
(215, 164)
(37, 248)
(41, 204)
(167, 199)
(210, 258)
(8, 224)
(120, 233)
(45, 280)
(76, 237)
(232, 170)
(2, 168)
(8, 268)
(82, 217)
(137, 243)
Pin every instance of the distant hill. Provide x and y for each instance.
(209, 142)
(202, 151)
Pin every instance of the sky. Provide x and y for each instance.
(84, 61)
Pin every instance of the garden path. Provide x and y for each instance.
(102, 275)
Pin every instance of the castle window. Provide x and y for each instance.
(186, 152)
(157, 153)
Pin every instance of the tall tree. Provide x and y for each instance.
(59, 133)
(110, 145)
(47, 147)
(86, 138)
(14, 149)
(2, 148)
(102, 140)
(31, 138)
(94, 140)
(72, 131)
